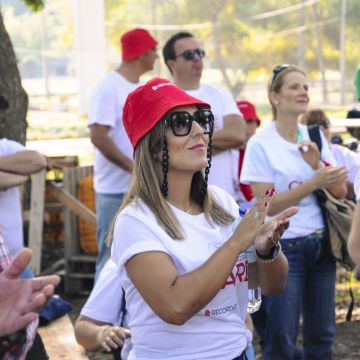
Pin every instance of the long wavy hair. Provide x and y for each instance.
(147, 178)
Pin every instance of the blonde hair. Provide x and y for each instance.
(146, 182)
(277, 81)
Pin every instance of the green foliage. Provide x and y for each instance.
(35, 5)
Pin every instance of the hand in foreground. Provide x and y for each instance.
(310, 153)
(329, 176)
(112, 337)
(21, 300)
(271, 232)
(250, 225)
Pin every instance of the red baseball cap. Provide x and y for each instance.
(146, 105)
(248, 110)
(135, 43)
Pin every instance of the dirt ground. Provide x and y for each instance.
(346, 346)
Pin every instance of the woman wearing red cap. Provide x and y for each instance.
(180, 262)
(282, 156)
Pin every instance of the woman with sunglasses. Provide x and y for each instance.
(282, 156)
(181, 263)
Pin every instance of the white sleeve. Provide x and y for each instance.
(225, 200)
(9, 147)
(103, 106)
(256, 166)
(229, 106)
(105, 301)
(134, 233)
(326, 153)
(347, 158)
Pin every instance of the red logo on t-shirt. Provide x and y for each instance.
(240, 272)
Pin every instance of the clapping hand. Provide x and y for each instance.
(21, 300)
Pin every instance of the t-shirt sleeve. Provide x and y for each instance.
(228, 104)
(256, 167)
(326, 153)
(225, 200)
(9, 147)
(127, 243)
(105, 308)
(103, 107)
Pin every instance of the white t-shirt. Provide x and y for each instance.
(106, 109)
(223, 172)
(269, 158)
(357, 186)
(347, 158)
(11, 224)
(217, 331)
(105, 301)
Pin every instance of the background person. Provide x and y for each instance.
(342, 155)
(98, 325)
(113, 152)
(252, 121)
(174, 224)
(183, 55)
(282, 156)
(16, 164)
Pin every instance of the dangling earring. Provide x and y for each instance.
(165, 168)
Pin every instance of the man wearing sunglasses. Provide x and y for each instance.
(113, 152)
(183, 55)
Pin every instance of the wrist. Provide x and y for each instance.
(100, 334)
(271, 256)
(320, 164)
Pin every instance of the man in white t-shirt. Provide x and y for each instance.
(183, 56)
(16, 163)
(113, 152)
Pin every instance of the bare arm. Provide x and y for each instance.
(328, 177)
(175, 298)
(232, 135)
(8, 180)
(99, 137)
(92, 334)
(354, 237)
(24, 162)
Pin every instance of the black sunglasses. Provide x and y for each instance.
(190, 54)
(181, 121)
(275, 73)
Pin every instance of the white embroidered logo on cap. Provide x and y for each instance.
(156, 87)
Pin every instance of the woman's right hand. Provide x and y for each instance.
(251, 223)
(329, 176)
(111, 337)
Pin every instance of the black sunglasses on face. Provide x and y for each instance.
(181, 121)
(275, 72)
(190, 54)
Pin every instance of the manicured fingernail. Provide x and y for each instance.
(266, 204)
(267, 192)
(273, 192)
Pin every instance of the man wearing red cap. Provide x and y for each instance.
(183, 56)
(252, 122)
(113, 151)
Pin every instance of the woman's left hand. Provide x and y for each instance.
(310, 152)
(271, 231)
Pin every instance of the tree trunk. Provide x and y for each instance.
(13, 98)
